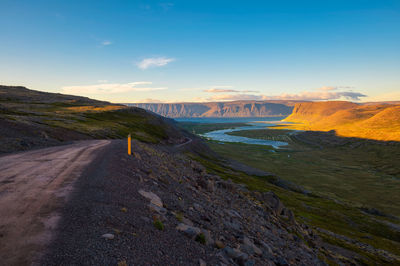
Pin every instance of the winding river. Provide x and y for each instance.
(220, 135)
(253, 124)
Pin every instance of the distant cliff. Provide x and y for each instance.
(379, 121)
(220, 109)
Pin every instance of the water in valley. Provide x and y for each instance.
(254, 123)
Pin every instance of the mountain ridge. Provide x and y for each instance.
(220, 109)
(32, 119)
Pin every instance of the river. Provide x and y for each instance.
(253, 124)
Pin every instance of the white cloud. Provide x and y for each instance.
(199, 99)
(108, 88)
(327, 88)
(227, 90)
(221, 87)
(224, 89)
(235, 97)
(154, 62)
(333, 88)
(149, 100)
(318, 95)
(220, 90)
(106, 43)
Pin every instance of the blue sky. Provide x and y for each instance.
(135, 51)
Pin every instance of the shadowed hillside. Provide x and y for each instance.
(372, 121)
(31, 118)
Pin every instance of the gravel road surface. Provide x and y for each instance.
(34, 186)
(106, 201)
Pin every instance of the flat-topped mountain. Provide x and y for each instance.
(220, 109)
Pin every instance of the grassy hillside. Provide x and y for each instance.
(371, 121)
(360, 229)
(358, 172)
(33, 119)
(353, 183)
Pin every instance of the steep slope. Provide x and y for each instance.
(314, 111)
(220, 109)
(163, 208)
(378, 121)
(22, 94)
(31, 118)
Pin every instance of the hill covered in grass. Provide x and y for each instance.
(378, 121)
(31, 118)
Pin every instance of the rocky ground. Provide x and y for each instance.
(161, 208)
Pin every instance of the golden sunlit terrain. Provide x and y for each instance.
(373, 121)
(95, 108)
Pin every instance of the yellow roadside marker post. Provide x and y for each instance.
(129, 145)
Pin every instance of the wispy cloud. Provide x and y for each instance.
(220, 90)
(327, 88)
(224, 89)
(318, 96)
(332, 88)
(235, 97)
(228, 90)
(221, 87)
(325, 94)
(154, 62)
(108, 88)
(149, 100)
(106, 43)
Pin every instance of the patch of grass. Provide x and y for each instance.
(179, 216)
(89, 117)
(158, 224)
(122, 122)
(201, 238)
(91, 108)
(270, 134)
(112, 124)
(366, 257)
(122, 263)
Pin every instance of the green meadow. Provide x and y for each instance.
(354, 189)
(366, 175)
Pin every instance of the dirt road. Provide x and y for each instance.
(34, 185)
